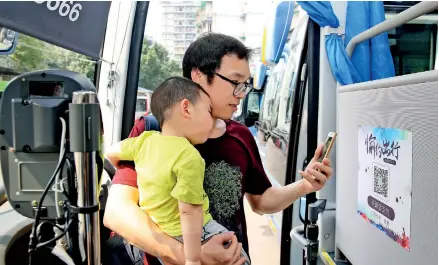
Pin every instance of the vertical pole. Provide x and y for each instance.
(85, 123)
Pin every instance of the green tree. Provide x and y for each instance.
(29, 54)
(32, 54)
(84, 66)
(155, 66)
(65, 59)
(173, 67)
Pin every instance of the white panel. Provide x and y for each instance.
(411, 103)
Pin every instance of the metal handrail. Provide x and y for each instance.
(398, 20)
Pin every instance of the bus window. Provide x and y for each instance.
(290, 101)
(141, 105)
(32, 54)
(253, 102)
(413, 48)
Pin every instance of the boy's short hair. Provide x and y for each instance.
(172, 91)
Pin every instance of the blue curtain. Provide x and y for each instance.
(278, 37)
(372, 58)
(342, 66)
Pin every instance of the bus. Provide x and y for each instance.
(380, 207)
(143, 102)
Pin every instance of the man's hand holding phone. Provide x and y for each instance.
(319, 170)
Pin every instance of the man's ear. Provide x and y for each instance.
(185, 109)
(196, 75)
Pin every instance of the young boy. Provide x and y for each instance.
(170, 168)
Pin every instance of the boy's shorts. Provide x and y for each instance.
(211, 229)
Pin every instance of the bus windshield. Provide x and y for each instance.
(32, 54)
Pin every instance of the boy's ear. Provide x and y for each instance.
(185, 108)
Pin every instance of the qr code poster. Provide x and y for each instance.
(385, 181)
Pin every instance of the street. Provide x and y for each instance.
(264, 249)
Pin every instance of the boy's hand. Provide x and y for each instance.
(316, 174)
(214, 253)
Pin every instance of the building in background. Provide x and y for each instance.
(149, 40)
(178, 23)
(242, 19)
(178, 26)
(222, 17)
(204, 17)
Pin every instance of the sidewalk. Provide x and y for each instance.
(264, 249)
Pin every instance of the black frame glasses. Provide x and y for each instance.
(239, 87)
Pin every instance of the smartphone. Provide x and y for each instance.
(327, 147)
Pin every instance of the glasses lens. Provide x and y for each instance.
(242, 88)
(248, 87)
(239, 89)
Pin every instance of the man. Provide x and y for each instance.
(218, 63)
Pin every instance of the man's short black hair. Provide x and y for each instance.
(206, 53)
(172, 91)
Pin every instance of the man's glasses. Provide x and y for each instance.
(239, 87)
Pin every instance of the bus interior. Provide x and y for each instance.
(97, 67)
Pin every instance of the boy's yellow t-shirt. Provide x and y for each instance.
(169, 169)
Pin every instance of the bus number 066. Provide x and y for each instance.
(64, 8)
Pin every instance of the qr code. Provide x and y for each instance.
(381, 181)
